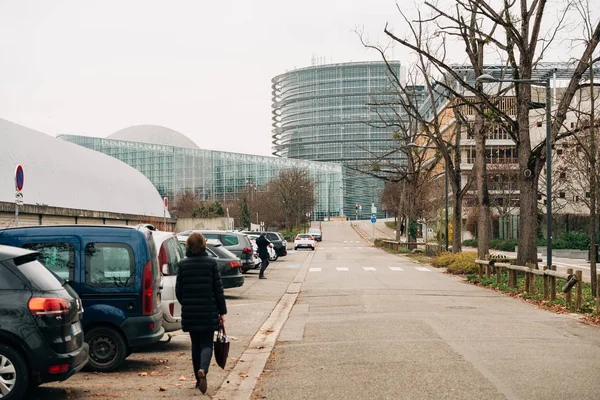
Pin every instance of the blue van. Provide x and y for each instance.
(114, 270)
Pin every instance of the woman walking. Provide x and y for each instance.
(199, 289)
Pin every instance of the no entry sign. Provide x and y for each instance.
(19, 178)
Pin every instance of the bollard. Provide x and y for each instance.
(553, 284)
(579, 293)
(568, 294)
(488, 271)
(498, 275)
(546, 286)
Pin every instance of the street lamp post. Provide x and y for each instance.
(414, 145)
(544, 83)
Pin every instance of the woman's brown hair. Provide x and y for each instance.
(196, 243)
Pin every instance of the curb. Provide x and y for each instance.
(241, 381)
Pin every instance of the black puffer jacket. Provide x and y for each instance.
(199, 289)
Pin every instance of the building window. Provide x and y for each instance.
(539, 197)
(576, 198)
(539, 124)
(562, 195)
(559, 151)
(563, 175)
(587, 195)
(572, 125)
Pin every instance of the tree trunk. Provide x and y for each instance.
(593, 185)
(483, 196)
(457, 222)
(399, 214)
(528, 223)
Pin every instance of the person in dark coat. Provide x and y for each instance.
(263, 243)
(199, 289)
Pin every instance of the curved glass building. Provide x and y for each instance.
(344, 113)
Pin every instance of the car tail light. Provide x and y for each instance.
(58, 369)
(235, 264)
(162, 260)
(247, 250)
(48, 306)
(147, 290)
(172, 309)
(297, 238)
(311, 238)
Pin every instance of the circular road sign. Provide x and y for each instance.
(166, 202)
(19, 178)
(373, 219)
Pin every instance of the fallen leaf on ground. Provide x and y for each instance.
(182, 378)
(143, 374)
(243, 375)
(162, 389)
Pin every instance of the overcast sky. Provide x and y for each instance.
(202, 68)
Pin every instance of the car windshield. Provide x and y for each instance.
(304, 236)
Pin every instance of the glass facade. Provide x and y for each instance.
(343, 113)
(215, 175)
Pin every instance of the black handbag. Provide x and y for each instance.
(221, 347)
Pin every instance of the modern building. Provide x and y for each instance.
(344, 113)
(175, 165)
(67, 184)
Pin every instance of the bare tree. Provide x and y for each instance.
(521, 43)
(185, 205)
(294, 189)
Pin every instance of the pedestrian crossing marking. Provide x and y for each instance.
(423, 269)
(343, 269)
(294, 266)
(396, 269)
(315, 270)
(369, 268)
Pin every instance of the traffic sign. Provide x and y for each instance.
(373, 219)
(19, 178)
(19, 198)
(166, 203)
(374, 215)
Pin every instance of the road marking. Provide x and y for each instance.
(315, 270)
(293, 266)
(423, 269)
(343, 269)
(396, 269)
(369, 268)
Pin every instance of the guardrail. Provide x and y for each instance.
(496, 266)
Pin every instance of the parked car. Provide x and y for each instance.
(279, 243)
(236, 242)
(272, 253)
(304, 240)
(169, 255)
(41, 339)
(316, 233)
(114, 270)
(229, 264)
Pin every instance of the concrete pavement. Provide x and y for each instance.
(372, 325)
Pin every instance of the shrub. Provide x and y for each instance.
(378, 242)
(470, 243)
(390, 224)
(458, 263)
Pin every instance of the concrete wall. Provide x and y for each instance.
(186, 224)
(30, 215)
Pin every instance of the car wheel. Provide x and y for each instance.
(313, 248)
(274, 258)
(295, 248)
(14, 374)
(107, 349)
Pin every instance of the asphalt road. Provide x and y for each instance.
(372, 325)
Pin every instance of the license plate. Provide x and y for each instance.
(76, 328)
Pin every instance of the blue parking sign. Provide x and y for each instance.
(373, 219)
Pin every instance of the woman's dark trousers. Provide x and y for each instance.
(202, 349)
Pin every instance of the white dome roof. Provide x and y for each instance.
(62, 174)
(153, 134)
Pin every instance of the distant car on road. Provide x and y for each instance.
(316, 233)
(41, 339)
(304, 240)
